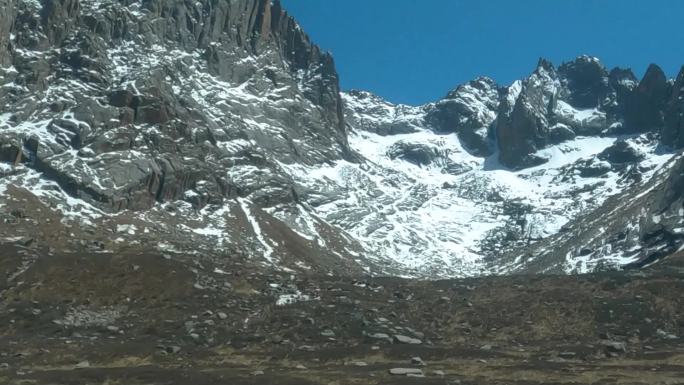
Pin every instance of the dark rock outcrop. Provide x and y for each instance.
(620, 153)
(6, 28)
(673, 131)
(582, 98)
(468, 111)
(58, 18)
(585, 82)
(418, 154)
(622, 83)
(525, 129)
(644, 107)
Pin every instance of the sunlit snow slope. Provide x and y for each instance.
(441, 211)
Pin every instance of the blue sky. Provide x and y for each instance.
(414, 51)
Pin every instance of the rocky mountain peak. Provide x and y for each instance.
(469, 111)
(644, 106)
(482, 83)
(673, 132)
(544, 64)
(624, 77)
(585, 80)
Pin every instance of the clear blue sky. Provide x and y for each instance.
(414, 51)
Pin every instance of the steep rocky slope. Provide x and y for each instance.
(633, 229)
(217, 129)
(141, 110)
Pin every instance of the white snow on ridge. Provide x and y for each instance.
(256, 227)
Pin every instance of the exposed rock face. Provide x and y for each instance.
(368, 112)
(622, 83)
(620, 153)
(421, 155)
(6, 22)
(468, 111)
(143, 105)
(585, 82)
(632, 229)
(580, 98)
(644, 106)
(553, 106)
(673, 132)
(526, 128)
(661, 231)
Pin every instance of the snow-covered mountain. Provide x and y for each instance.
(216, 129)
(421, 198)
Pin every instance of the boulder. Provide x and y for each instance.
(620, 153)
(405, 371)
(407, 340)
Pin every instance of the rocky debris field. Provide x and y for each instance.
(150, 319)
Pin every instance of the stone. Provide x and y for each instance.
(418, 361)
(222, 315)
(614, 346)
(82, 365)
(277, 339)
(307, 348)
(328, 333)
(406, 340)
(665, 335)
(405, 371)
(173, 349)
(379, 336)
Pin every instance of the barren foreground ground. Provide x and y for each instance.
(147, 319)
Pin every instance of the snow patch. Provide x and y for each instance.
(289, 299)
(256, 228)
